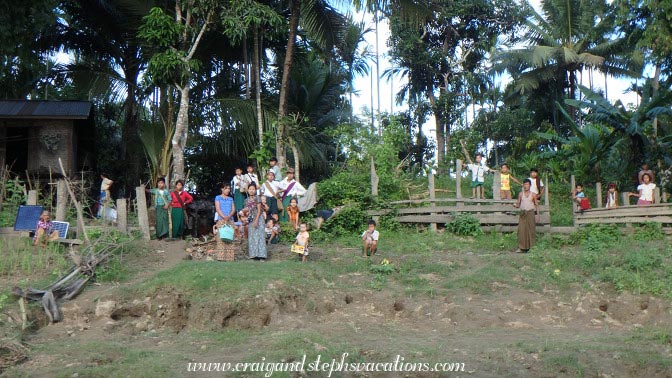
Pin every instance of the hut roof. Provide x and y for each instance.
(38, 109)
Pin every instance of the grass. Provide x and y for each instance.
(18, 257)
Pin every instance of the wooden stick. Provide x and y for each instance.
(78, 206)
(24, 316)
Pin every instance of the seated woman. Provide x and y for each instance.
(45, 230)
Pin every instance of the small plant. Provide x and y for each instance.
(385, 267)
(597, 237)
(465, 225)
(649, 231)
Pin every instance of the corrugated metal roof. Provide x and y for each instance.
(27, 109)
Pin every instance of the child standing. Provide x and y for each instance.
(250, 178)
(478, 171)
(645, 171)
(527, 203)
(612, 196)
(239, 188)
(506, 178)
(645, 191)
(370, 238)
(274, 168)
(162, 202)
(302, 240)
(105, 197)
(180, 198)
(536, 185)
(45, 230)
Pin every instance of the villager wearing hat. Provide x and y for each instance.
(291, 189)
(612, 196)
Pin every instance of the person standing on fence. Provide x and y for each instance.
(528, 205)
(506, 178)
(478, 171)
(536, 185)
(645, 191)
(105, 196)
(162, 203)
(180, 199)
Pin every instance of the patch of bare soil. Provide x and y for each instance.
(493, 334)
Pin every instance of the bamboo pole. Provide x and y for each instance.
(78, 206)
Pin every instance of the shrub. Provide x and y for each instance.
(351, 220)
(465, 225)
(649, 231)
(596, 237)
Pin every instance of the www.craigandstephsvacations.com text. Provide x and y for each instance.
(326, 366)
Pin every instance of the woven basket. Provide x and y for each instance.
(225, 251)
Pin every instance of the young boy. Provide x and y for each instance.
(478, 172)
(274, 168)
(250, 177)
(506, 178)
(580, 198)
(272, 232)
(536, 185)
(370, 238)
(302, 239)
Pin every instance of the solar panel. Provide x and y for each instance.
(62, 228)
(27, 217)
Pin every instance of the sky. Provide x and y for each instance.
(617, 88)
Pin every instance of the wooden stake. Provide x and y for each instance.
(78, 206)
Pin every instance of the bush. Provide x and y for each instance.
(465, 225)
(649, 231)
(596, 237)
(351, 220)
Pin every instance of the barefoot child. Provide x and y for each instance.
(370, 238)
(302, 240)
(527, 203)
(478, 171)
(506, 178)
(45, 230)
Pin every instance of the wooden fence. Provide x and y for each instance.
(493, 214)
(626, 214)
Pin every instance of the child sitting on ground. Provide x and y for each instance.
(370, 238)
(45, 230)
(272, 231)
(580, 198)
(293, 212)
(302, 240)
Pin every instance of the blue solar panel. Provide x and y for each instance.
(62, 228)
(27, 217)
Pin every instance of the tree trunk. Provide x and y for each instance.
(440, 139)
(246, 70)
(374, 179)
(295, 152)
(257, 86)
(295, 10)
(181, 132)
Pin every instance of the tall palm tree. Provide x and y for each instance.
(569, 36)
(325, 25)
(355, 57)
